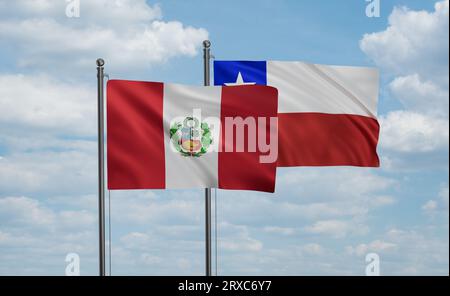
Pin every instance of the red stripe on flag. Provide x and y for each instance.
(243, 170)
(135, 135)
(318, 139)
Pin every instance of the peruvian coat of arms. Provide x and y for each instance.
(191, 137)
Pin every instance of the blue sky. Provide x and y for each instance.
(320, 221)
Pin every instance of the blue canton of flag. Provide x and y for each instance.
(240, 73)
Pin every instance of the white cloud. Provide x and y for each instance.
(331, 202)
(42, 103)
(340, 183)
(150, 259)
(407, 131)
(336, 228)
(142, 207)
(429, 206)
(35, 238)
(158, 252)
(418, 252)
(30, 213)
(414, 42)
(413, 51)
(377, 246)
(44, 37)
(135, 239)
(279, 230)
(439, 205)
(9, 240)
(47, 125)
(237, 238)
(313, 249)
(56, 172)
(380, 201)
(24, 211)
(239, 246)
(419, 95)
(77, 219)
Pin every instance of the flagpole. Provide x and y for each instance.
(206, 68)
(101, 169)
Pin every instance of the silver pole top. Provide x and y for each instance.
(206, 44)
(100, 62)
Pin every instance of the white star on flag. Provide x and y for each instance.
(239, 81)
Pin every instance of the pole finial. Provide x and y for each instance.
(100, 62)
(206, 44)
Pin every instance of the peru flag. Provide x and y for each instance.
(327, 114)
(172, 136)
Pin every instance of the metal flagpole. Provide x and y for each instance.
(101, 168)
(206, 67)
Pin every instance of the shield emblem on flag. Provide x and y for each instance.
(191, 137)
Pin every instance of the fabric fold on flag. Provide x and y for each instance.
(327, 115)
(163, 135)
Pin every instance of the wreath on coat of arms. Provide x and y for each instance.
(191, 137)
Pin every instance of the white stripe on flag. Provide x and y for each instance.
(304, 87)
(179, 103)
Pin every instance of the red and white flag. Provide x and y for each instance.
(173, 136)
(327, 114)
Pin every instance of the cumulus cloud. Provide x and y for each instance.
(413, 51)
(406, 131)
(31, 213)
(331, 203)
(237, 238)
(419, 95)
(336, 228)
(418, 251)
(430, 206)
(159, 248)
(168, 208)
(414, 42)
(382, 200)
(49, 172)
(24, 211)
(44, 37)
(377, 246)
(313, 249)
(42, 103)
(35, 238)
(439, 205)
(250, 224)
(279, 230)
(339, 183)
